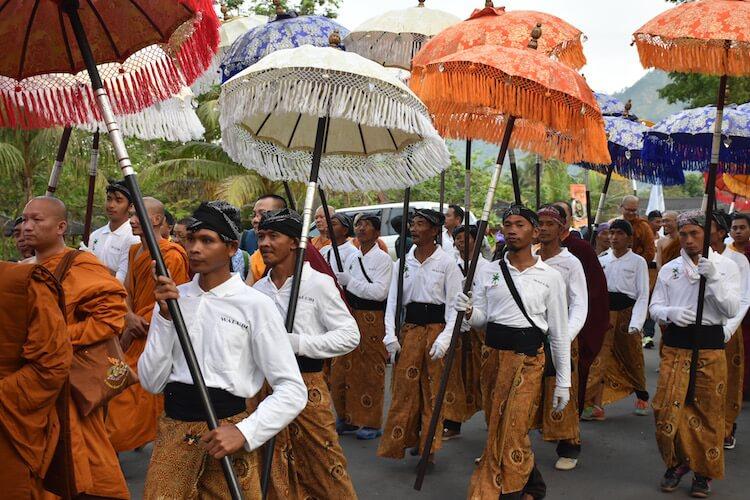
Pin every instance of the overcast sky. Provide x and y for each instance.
(608, 24)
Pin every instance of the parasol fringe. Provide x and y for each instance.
(210, 78)
(693, 56)
(317, 92)
(390, 50)
(377, 172)
(696, 157)
(570, 53)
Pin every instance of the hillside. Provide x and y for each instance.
(645, 95)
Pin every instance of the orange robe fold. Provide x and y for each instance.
(35, 357)
(95, 310)
(133, 416)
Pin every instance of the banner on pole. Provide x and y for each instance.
(578, 203)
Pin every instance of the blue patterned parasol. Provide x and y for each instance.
(683, 140)
(610, 106)
(284, 33)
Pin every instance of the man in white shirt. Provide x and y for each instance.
(112, 242)
(733, 351)
(343, 229)
(431, 282)
(323, 329)
(239, 342)
(690, 433)
(516, 361)
(454, 217)
(619, 370)
(358, 378)
(564, 427)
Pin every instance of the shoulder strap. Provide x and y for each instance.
(514, 292)
(362, 266)
(61, 271)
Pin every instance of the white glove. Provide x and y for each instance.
(463, 303)
(633, 330)
(294, 341)
(438, 349)
(465, 325)
(560, 399)
(342, 277)
(680, 316)
(393, 348)
(707, 269)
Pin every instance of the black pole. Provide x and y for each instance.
(589, 222)
(70, 7)
(402, 261)
(451, 353)
(54, 175)
(92, 186)
(467, 203)
(538, 178)
(710, 199)
(299, 263)
(514, 177)
(442, 203)
(329, 223)
(290, 197)
(602, 199)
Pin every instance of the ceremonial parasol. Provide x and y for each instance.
(62, 38)
(324, 115)
(609, 105)
(392, 39)
(737, 200)
(709, 37)
(513, 84)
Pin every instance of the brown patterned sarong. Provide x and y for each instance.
(358, 378)
(489, 372)
(180, 468)
(619, 369)
(472, 371)
(508, 459)
(692, 435)
(563, 426)
(415, 383)
(734, 351)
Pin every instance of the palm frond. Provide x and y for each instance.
(197, 168)
(196, 149)
(11, 161)
(243, 189)
(208, 113)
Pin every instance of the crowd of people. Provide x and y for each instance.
(553, 329)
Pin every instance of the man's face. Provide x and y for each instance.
(717, 235)
(568, 215)
(549, 230)
(23, 249)
(261, 207)
(366, 232)
(422, 231)
(117, 206)
(180, 234)
(207, 252)
(451, 219)
(629, 210)
(275, 247)
(157, 222)
(42, 227)
(320, 221)
(655, 224)
(460, 243)
(740, 231)
(602, 238)
(519, 232)
(691, 239)
(669, 223)
(340, 230)
(618, 240)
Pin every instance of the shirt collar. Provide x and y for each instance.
(438, 253)
(538, 264)
(122, 230)
(233, 286)
(268, 282)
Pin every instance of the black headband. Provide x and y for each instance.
(473, 230)
(120, 187)
(345, 221)
(284, 221)
(522, 211)
(622, 225)
(18, 221)
(432, 216)
(210, 217)
(373, 218)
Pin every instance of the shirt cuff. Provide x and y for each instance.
(295, 340)
(247, 427)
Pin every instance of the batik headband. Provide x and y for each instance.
(216, 216)
(520, 210)
(284, 221)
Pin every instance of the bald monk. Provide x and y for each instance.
(95, 310)
(35, 357)
(132, 416)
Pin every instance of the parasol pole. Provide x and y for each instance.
(329, 223)
(731, 207)
(70, 7)
(442, 203)
(538, 175)
(307, 216)
(514, 176)
(54, 175)
(602, 200)
(92, 186)
(290, 197)
(588, 201)
(635, 187)
(467, 203)
(708, 207)
(451, 353)
(402, 261)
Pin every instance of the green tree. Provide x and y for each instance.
(328, 8)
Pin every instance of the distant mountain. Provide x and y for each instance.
(647, 104)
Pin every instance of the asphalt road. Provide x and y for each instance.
(619, 461)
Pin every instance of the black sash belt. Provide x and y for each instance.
(709, 337)
(652, 265)
(181, 402)
(520, 340)
(619, 301)
(364, 304)
(309, 365)
(418, 313)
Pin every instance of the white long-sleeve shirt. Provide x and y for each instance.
(112, 247)
(437, 280)
(742, 264)
(239, 342)
(543, 293)
(571, 270)
(629, 275)
(345, 252)
(677, 286)
(323, 326)
(379, 268)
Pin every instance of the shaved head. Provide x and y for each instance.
(154, 206)
(156, 214)
(51, 205)
(45, 220)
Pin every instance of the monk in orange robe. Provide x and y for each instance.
(95, 310)
(132, 416)
(35, 357)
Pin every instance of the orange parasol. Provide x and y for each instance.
(735, 201)
(737, 184)
(710, 37)
(495, 26)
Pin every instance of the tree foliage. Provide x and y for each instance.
(328, 8)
